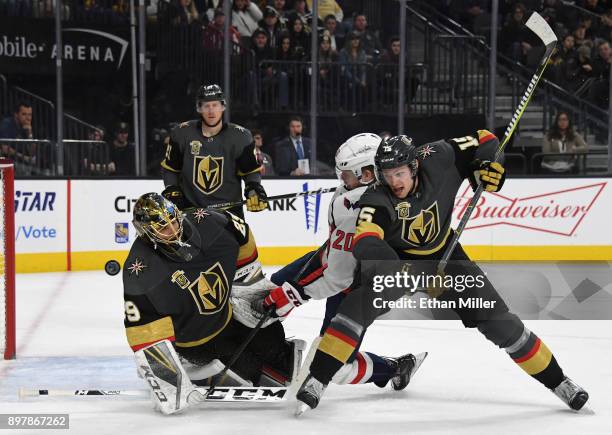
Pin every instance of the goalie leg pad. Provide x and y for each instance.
(172, 390)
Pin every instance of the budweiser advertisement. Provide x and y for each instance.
(539, 212)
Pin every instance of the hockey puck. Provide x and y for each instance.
(112, 267)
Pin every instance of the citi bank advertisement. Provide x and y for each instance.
(81, 224)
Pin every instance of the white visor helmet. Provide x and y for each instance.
(356, 153)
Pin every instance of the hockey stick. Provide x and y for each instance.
(257, 327)
(230, 204)
(540, 27)
(211, 394)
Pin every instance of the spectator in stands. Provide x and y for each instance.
(271, 26)
(580, 38)
(209, 7)
(561, 138)
(388, 74)
(245, 16)
(271, 85)
(281, 7)
(470, 13)
(284, 51)
(352, 54)
(300, 38)
(292, 153)
(327, 58)
(97, 158)
(299, 10)
(327, 7)
(213, 34)
(515, 38)
(604, 30)
(593, 6)
(185, 12)
(599, 90)
(19, 126)
(584, 72)
(264, 159)
(564, 62)
(122, 159)
(331, 28)
(369, 40)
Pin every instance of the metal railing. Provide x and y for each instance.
(43, 113)
(32, 157)
(39, 157)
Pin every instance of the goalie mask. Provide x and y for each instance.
(160, 222)
(357, 153)
(394, 152)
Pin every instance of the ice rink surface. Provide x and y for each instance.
(70, 336)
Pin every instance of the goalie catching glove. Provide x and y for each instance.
(284, 299)
(256, 197)
(491, 174)
(171, 388)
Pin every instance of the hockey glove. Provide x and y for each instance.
(256, 197)
(284, 299)
(491, 174)
(175, 194)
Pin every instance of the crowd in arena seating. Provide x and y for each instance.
(581, 64)
(278, 36)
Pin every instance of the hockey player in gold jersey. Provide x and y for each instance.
(407, 216)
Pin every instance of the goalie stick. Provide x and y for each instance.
(263, 319)
(214, 394)
(540, 27)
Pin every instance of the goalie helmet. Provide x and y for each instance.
(209, 93)
(158, 220)
(357, 153)
(394, 152)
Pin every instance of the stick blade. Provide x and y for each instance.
(540, 27)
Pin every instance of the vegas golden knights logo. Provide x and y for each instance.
(210, 290)
(207, 173)
(423, 228)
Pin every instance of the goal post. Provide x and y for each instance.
(7, 256)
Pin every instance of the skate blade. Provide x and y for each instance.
(419, 358)
(301, 408)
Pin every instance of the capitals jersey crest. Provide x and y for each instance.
(207, 173)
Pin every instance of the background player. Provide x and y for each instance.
(331, 278)
(407, 215)
(177, 289)
(206, 159)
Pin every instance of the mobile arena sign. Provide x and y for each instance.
(60, 225)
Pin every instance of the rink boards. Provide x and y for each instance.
(81, 224)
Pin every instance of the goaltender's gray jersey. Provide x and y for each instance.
(338, 263)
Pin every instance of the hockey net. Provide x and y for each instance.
(7, 260)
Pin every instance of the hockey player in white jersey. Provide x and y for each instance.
(331, 277)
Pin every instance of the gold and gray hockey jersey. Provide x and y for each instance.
(185, 300)
(420, 225)
(210, 169)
